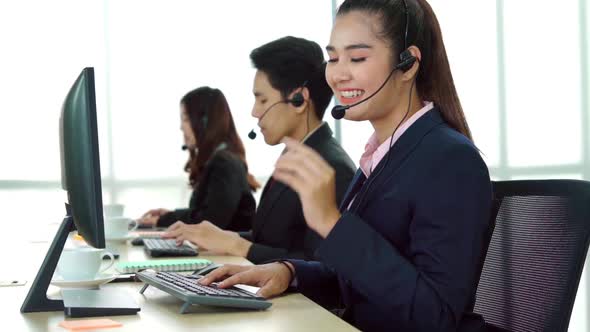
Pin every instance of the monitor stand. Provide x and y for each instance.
(37, 300)
(80, 303)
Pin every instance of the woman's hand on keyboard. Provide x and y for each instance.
(273, 279)
(151, 217)
(208, 237)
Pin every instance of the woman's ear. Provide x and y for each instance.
(413, 71)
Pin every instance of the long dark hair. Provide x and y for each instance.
(434, 81)
(212, 123)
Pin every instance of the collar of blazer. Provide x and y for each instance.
(400, 150)
(271, 195)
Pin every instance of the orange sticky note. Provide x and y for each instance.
(89, 324)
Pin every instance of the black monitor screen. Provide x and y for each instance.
(80, 165)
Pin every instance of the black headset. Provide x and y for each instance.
(406, 62)
(205, 117)
(297, 100)
(204, 121)
(202, 128)
(406, 59)
(203, 124)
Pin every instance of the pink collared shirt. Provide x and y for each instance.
(374, 153)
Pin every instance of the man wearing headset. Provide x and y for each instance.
(291, 97)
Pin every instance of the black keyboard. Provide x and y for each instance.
(138, 241)
(186, 288)
(166, 247)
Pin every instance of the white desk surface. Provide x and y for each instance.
(159, 311)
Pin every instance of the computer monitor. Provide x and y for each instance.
(80, 165)
(80, 175)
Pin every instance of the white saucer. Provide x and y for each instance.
(100, 279)
(121, 238)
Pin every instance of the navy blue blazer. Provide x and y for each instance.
(278, 228)
(406, 256)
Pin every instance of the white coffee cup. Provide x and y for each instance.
(82, 263)
(118, 227)
(113, 210)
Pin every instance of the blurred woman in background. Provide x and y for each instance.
(217, 168)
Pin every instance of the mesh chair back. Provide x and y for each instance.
(536, 255)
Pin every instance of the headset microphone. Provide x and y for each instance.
(296, 101)
(252, 134)
(338, 111)
(406, 62)
(186, 147)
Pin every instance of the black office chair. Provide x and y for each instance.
(536, 255)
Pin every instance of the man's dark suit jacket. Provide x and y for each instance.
(222, 196)
(279, 229)
(406, 258)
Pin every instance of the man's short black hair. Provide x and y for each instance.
(289, 62)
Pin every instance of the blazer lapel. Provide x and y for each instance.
(404, 146)
(268, 184)
(267, 201)
(354, 187)
(271, 195)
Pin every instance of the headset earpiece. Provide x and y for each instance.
(297, 99)
(205, 121)
(406, 61)
(203, 128)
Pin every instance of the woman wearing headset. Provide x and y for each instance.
(218, 173)
(403, 251)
